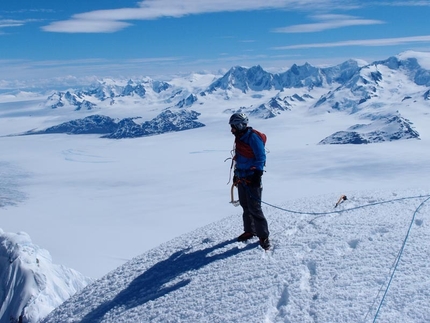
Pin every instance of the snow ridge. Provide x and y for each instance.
(31, 285)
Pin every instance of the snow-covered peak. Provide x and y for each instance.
(422, 57)
(31, 285)
(382, 85)
(244, 79)
(383, 128)
(341, 73)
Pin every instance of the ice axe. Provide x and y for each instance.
(233, 201)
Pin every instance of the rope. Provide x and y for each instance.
(399, 256)
(380, 289)
(345, 210)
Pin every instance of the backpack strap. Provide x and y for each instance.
(244, 149)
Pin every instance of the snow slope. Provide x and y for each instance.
(32, 286)
(326, 265)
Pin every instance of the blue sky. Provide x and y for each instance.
(111, 38)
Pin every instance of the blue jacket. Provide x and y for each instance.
(245, 166)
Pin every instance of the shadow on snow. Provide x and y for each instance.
(152, 283)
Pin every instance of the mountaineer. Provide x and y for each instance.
(250, 159)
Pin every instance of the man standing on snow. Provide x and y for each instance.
(250, 159)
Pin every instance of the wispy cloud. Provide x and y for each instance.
(329, 21)
(115, 19)
(14, 70)
(11, 23)
(408, 3)
(8, 23)
(29, 11)
(362, 42)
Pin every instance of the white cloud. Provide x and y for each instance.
(153, 9)
(362, 42)
(328, 22)
(86, 26)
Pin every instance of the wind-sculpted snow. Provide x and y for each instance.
(31, 285)
(382, 129)
(166, 121)
(326, 265)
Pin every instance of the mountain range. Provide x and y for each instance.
(374, 93)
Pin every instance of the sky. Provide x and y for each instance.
(86, 39)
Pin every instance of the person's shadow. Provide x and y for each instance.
(151, 284)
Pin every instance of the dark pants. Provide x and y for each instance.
(253, 217)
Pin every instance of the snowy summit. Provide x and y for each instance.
(326, 265)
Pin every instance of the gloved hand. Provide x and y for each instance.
(256, 177)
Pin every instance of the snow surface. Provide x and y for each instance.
(97, 204)
(330, 266)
